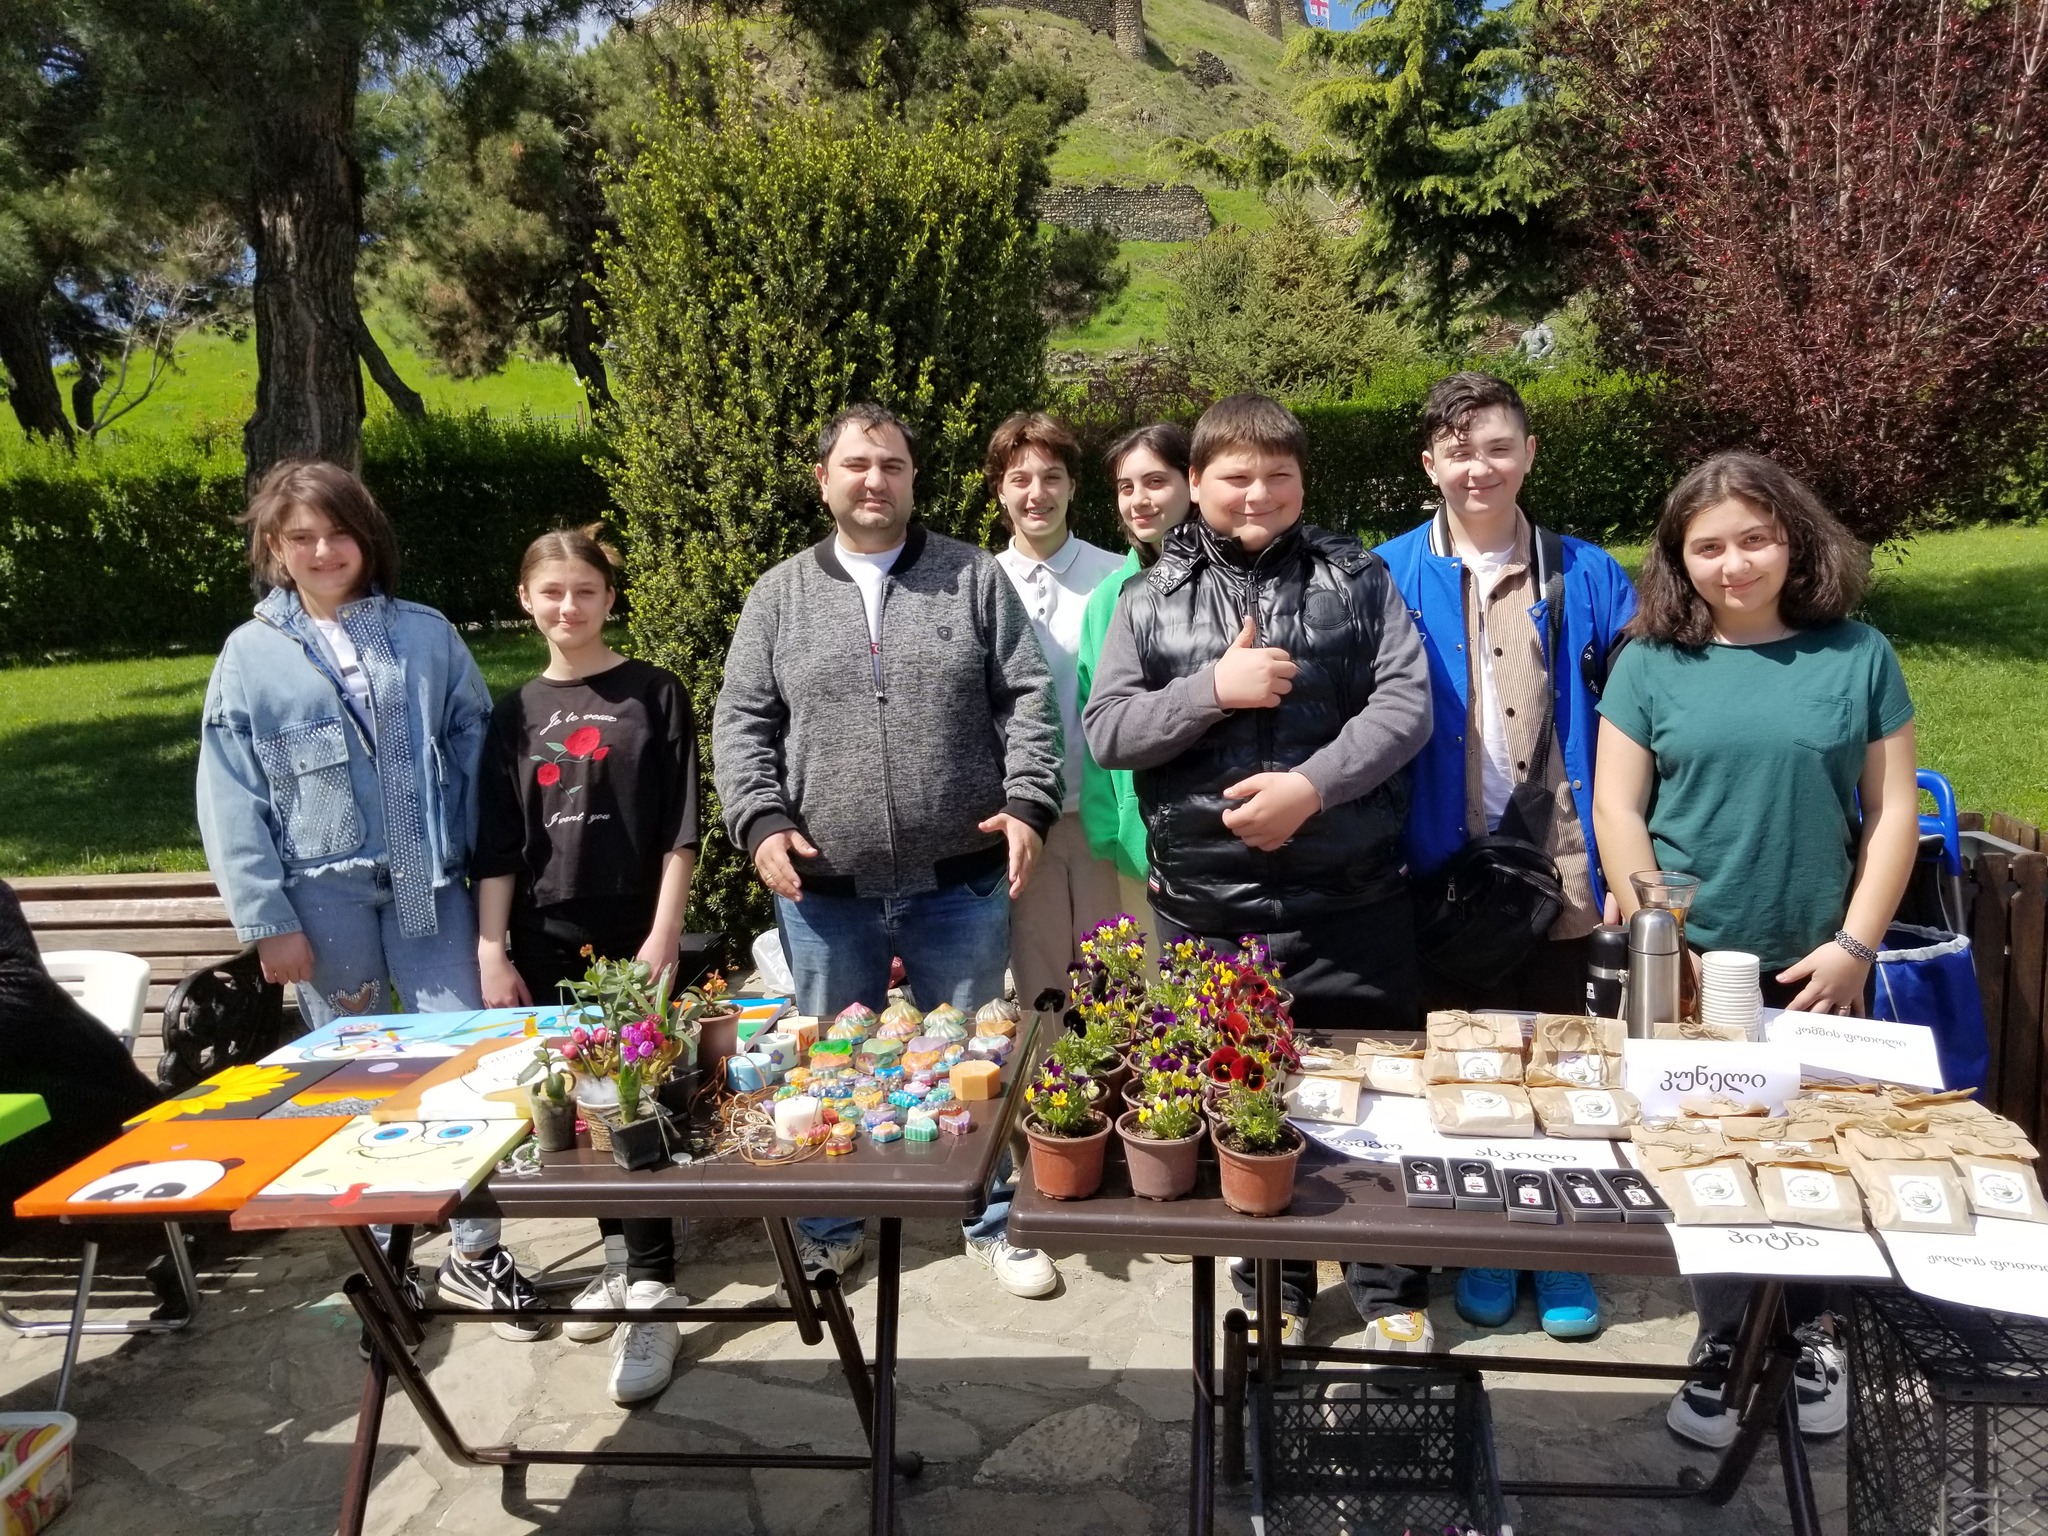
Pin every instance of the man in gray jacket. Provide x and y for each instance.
(887, 750)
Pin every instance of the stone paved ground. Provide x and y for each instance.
(1067, 1416)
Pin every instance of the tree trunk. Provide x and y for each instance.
(85, 389)
(1127, 17)
(25, 354)
(302, 226)
(580, 340)
(403, 397)
(1264, 14)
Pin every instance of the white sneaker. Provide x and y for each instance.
(814, 1258)
(644, 1354)
(1401, 1333)
(1822, 1381)
(1022, 1272)
(607, 1290)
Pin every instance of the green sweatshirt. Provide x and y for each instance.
(1109, 801)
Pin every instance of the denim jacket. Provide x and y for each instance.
(293, 782)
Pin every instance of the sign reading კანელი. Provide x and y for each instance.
(1867, 1050)
(1662, 1073)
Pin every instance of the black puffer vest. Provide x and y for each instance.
(1318, 596)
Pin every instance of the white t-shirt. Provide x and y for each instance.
(1496, 764)
(342, 652)
(1055, 596)
(868, 573)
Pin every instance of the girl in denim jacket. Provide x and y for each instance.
(337, 789)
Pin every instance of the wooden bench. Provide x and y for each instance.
(175, 922)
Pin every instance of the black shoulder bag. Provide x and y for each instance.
(1479, 916)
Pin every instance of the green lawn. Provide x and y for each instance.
(101, 754)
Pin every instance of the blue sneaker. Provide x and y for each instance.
(1566, 1304)
(1486, 1297)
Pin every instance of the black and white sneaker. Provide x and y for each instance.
(1697, 1412)
(415, 1298)
(491, 1282)
(1821, 1379)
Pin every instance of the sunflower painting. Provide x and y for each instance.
(237, 1093)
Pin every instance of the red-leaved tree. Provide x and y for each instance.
(1829, 219)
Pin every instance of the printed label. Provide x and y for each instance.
(2002, 1191)
(1578, 1067)
(1393, 1066)
(1479, 1102)
(1920, 1198)
(1593, 1108)
(1811, 1191)
(1713, 1186)
(1479, 1066)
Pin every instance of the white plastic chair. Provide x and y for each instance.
(114, 988)
(109, 985)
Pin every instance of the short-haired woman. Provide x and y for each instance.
(1758, 738)
(337, 791)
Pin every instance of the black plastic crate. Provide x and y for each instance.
(1948, 1421)
(1415, 1453)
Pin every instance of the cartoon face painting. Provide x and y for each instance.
(134, 1182)
(186, 1167)
(378, 1170)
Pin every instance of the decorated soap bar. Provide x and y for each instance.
(841, 1140)
(798, 1078)
(971, 1080)
(997, 1018)
(923, 1054)
(852, 1030)
(895, 1017)
(881, 1114)
(956, 1122)
(890, 1076)
(831, 1054)
(995, 1048)
(941, 1093)
(946, 1022)
(876, 1054)
(956, 1050)
(869, 1098)
(925, 1129)
(886, 1131)
(858, 1017)
(805, 1029)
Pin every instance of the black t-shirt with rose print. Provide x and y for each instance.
(587, 785)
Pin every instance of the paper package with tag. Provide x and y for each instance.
(1672, 1143)
(1570, 1052)
(1481, 1109)
(1696, 1029)
(1814, 1192)
(1387, 1067)
(1584, 1112)
(1720, 1193)
(1999, 1186)
(1913, 1195)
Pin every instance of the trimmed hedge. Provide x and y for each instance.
(134, 546)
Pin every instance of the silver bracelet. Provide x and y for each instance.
(1845, 940)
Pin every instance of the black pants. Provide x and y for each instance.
(1550, 979)
(547, 946)
(1356, 970)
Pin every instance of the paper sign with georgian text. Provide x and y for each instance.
(1865, 1050)
(1797, 1253)
(1662, 1072)
(1393, 1126)
(2003, 1267)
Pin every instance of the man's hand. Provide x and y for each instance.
(503, 986)
(1834, 981)
(772, 862)
(1275, 806)
(1024, 846)
(1249, 676)
(286, 957)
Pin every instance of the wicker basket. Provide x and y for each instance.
(598, 1120)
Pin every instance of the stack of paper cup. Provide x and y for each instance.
(1729, 993)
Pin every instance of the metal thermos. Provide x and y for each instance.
(1654, 958)
(1606, 971)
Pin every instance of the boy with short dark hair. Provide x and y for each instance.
(1263, 681)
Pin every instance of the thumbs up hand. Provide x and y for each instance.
(1251, 676)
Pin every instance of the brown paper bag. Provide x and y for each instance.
(1913, 1195)
(1780, 1139)
(1814, 1193)
(1695, 1029)
(1472, 1109)
(1572, 1052)
(1670, 1143)
(1702, 1105)
(1980, 1138)
(1590, 1112)
(1716, 1194)
(1474, 1066)
(1456, 1030)
(1388, 1067)
(2000, 1186)
(1868, 1143)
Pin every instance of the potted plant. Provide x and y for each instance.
(1067, 1133)
(549, 1095)
(717, 1022)
(1162, 1132)
(1256, 1149)
(623, 1059)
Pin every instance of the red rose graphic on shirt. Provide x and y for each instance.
(582, 741)
(548, 775)
(598, 755)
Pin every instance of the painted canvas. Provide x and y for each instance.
(352, 1088)
(390, 1034)
(198, 1167)
(371, 1171)
(238, 1093)
(479, 1083)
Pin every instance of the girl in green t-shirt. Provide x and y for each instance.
(1738, 738)
(1149, 468)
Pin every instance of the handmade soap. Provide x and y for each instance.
(881, 1114)
(860, 1016)
(831, 1056)
(793, 1117)
(941, 1093)
(946, 1023)
(923, 1054)
(997, 1018)
(956, 1122)
(841, 1141)
(886, 1131)
(806, 1031)
(848, 1029)
(995, 1048)
(876, 1054)
(956, 1050)
(972, 1080)
(896, 1015)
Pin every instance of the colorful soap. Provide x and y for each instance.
(956, 1122)
(974, 1080)
(997, 1018)
(924, 1054)
(885, 1132)
(946, 1022)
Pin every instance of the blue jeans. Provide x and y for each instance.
(360, 958)
(955, 945)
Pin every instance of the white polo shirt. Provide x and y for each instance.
(1055, 595)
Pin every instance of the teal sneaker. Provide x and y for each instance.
(1566, 1303)
(1486, 1297)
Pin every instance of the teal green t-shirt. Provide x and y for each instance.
(1758, 749)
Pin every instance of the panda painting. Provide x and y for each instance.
(189, 1167)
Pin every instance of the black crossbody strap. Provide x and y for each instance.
(1549, 553)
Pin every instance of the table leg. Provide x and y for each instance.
(1760, 1324)
(839, 1323)
(1202, 1436)
(362, 1455)
(1267, 1284)
(783, 1241)
(1235, 1327)
(381, 1272)
(1759, 1414)
(1799, 1500)
(883, 1439)
(86, 1261)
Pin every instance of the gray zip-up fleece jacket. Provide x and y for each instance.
(887, 762)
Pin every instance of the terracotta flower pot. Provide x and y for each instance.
(1067, 1167)
(554, 1125)
(718, 1037)
(1160, 1170)
(1114, 1081)
(1259, 1183)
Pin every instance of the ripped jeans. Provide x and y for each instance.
(360, 957)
